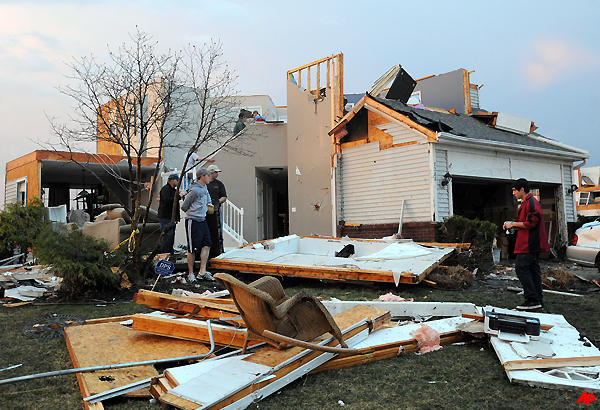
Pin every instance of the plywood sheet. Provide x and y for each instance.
(111, 343)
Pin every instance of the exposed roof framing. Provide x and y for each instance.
(460, 127)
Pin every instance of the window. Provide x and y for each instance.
(22, 191)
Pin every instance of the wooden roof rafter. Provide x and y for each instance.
(381, 109)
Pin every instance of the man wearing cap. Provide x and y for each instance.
(218, 196)
(165, 212)
(196, 205)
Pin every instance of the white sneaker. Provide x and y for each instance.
(207, 276)
(191, 277)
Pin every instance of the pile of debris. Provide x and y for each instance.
(22, 284)
(236, 362)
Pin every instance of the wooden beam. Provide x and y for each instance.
(370, 102)
(190, 329)
(588, 188)
(185, 305)
(467, 91)
(312, 63)
(552, 363)
(387, 351)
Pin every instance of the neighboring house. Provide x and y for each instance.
(587, 181)
(57, 179)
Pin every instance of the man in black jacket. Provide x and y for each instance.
(218, 195)
(165, 211)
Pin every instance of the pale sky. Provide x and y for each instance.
(538, 60)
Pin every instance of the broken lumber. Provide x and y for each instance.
(240, 381)
(187, 305)
(189, 329)
(552, 363)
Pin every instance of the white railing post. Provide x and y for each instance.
(233, 221)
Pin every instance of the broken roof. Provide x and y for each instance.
(461, 125)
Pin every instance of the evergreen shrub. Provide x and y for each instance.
(19, 226)
(81, 260)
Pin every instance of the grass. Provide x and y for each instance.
(456, 377)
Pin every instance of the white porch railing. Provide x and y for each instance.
(233, 221)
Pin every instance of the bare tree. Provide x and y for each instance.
(143, 103)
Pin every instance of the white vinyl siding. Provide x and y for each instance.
(443, 197)
(474, 99)
(570, 210)
(11, 188)
(373, 182)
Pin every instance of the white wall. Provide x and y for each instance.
(373, 182)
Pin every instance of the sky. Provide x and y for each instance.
(538, 60)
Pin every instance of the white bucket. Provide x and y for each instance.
(496, 255)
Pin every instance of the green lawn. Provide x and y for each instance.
(456, 377)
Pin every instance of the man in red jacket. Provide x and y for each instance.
(531, 240)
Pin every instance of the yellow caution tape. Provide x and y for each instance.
(131, 240)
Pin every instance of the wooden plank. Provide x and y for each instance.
(112, 343)
(317, 272)
(465, 245)
(372, 354)
(182, 304)
(293, 70)
(190, 329)
(552, 363)
(107, 320)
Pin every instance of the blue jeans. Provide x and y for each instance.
(527, 267)
(169, 238)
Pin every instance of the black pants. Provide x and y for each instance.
(528, 271)
(214, 223)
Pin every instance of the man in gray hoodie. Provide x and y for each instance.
(195, 207)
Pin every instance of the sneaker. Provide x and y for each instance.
(191, 277)
(530, 305)
(207, 276)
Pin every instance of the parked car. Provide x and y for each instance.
(586, 245)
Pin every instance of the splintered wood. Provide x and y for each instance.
(189, 329)
(206, 308)
(239, 380)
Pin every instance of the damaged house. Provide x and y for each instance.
(426, 164)
(418, 151)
